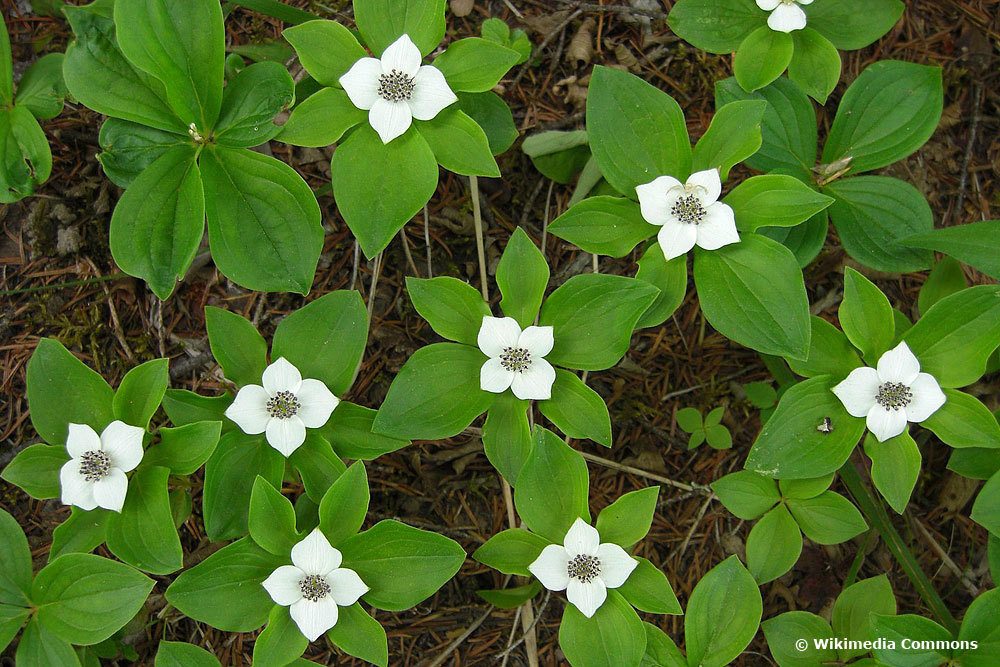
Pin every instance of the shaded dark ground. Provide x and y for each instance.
(58, 239)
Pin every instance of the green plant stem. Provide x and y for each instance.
(71, 283)
(875, 512)
(477, 216)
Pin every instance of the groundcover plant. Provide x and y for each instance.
(231, 440)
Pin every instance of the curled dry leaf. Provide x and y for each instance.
(581, 47)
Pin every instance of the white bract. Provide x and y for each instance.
(397, 88)
(891, 395)
(786, 15)
(516, 359)
(94, 476)
(583, 567)
(283, 408)
(314, 585)
(688, 214)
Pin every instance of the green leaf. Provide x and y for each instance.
(233, 576)
(753, 293)
(577, 410)
(790, 446)
(915, 629)
(975, 463)
(717, 26)
(186, 448)
(156, 38)
(237, 460)
(358, 634)
(670, 278)
(12, 618)
(474, 64)
(35, 470)
(15, 578)
(402, 565)
(804, 488)
(784, 630)
(140, 392)
(281, 641)
(82, 532)
(453, 308)
(733, 136)
(788, 131)
(41, 89)
(510, 598)
(976, 244)
(343, 508)
(956, 336)
(379, 187)
(40, 646)
(850, 29)
(552, 465)
(264, 223)
(661, 651)
(637, 132)
(317, 464)
(51, 369)
(947, 277)
(830, 353)
(522, 275)
(986, 509)
(143, 533)
(723, 614)
(963, 421)
(647, 589)
(271, 519)
(321, 119)
(99, 77)
(493, 115)
(805, 240)
(815, 64)
(980, 625)
(84, 599)
(774, 200)
(325, 339)
(627, 520)
(435, 395)
(746, 494)
(559, 155)
(873, 214)
(326, 49)
(6, 67)
(251, 101)
(829, 518)
(179, 654)
(381, 22)
(762, 57)
(459, 144)
(351, 432)
(593, 316)
(128, 149)
(773, 546)
(889, 112)
(507, 436)
(854, 607)
(603, 225)
(613, 636)
(236, 345)
(866, 316)
(512, 551)
(27, 158)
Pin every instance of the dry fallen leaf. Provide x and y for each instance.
(581, 47)
(462, 8)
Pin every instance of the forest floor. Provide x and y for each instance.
(57, 279)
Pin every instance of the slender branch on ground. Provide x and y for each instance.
(406, 251)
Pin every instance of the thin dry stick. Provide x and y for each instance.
(406, 251)
(427, 241)
(510, 637)
(376, 269)
(639, 472)
(462, 637)
(945, 558)
(354, 267)
(477, 216)
(694, 526)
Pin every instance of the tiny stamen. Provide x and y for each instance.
(515, 359)
(95, 465)
(584, 568)
(689, 210)
(283, 405)
(396, 86)
(893, 395)
(314, 587)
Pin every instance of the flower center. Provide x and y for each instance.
(893, 395)
(95, 465)
(515, 359)
(314, 587)
(583, 567)
(688, 209)
(283, 405)
(395, 86)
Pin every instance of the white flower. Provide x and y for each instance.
(314, 585)
(688, 213)
(515, 359)
(284, 407)
(896, 393)
(583, 567)
(786, 15)
(94, 476)
(397, 89)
